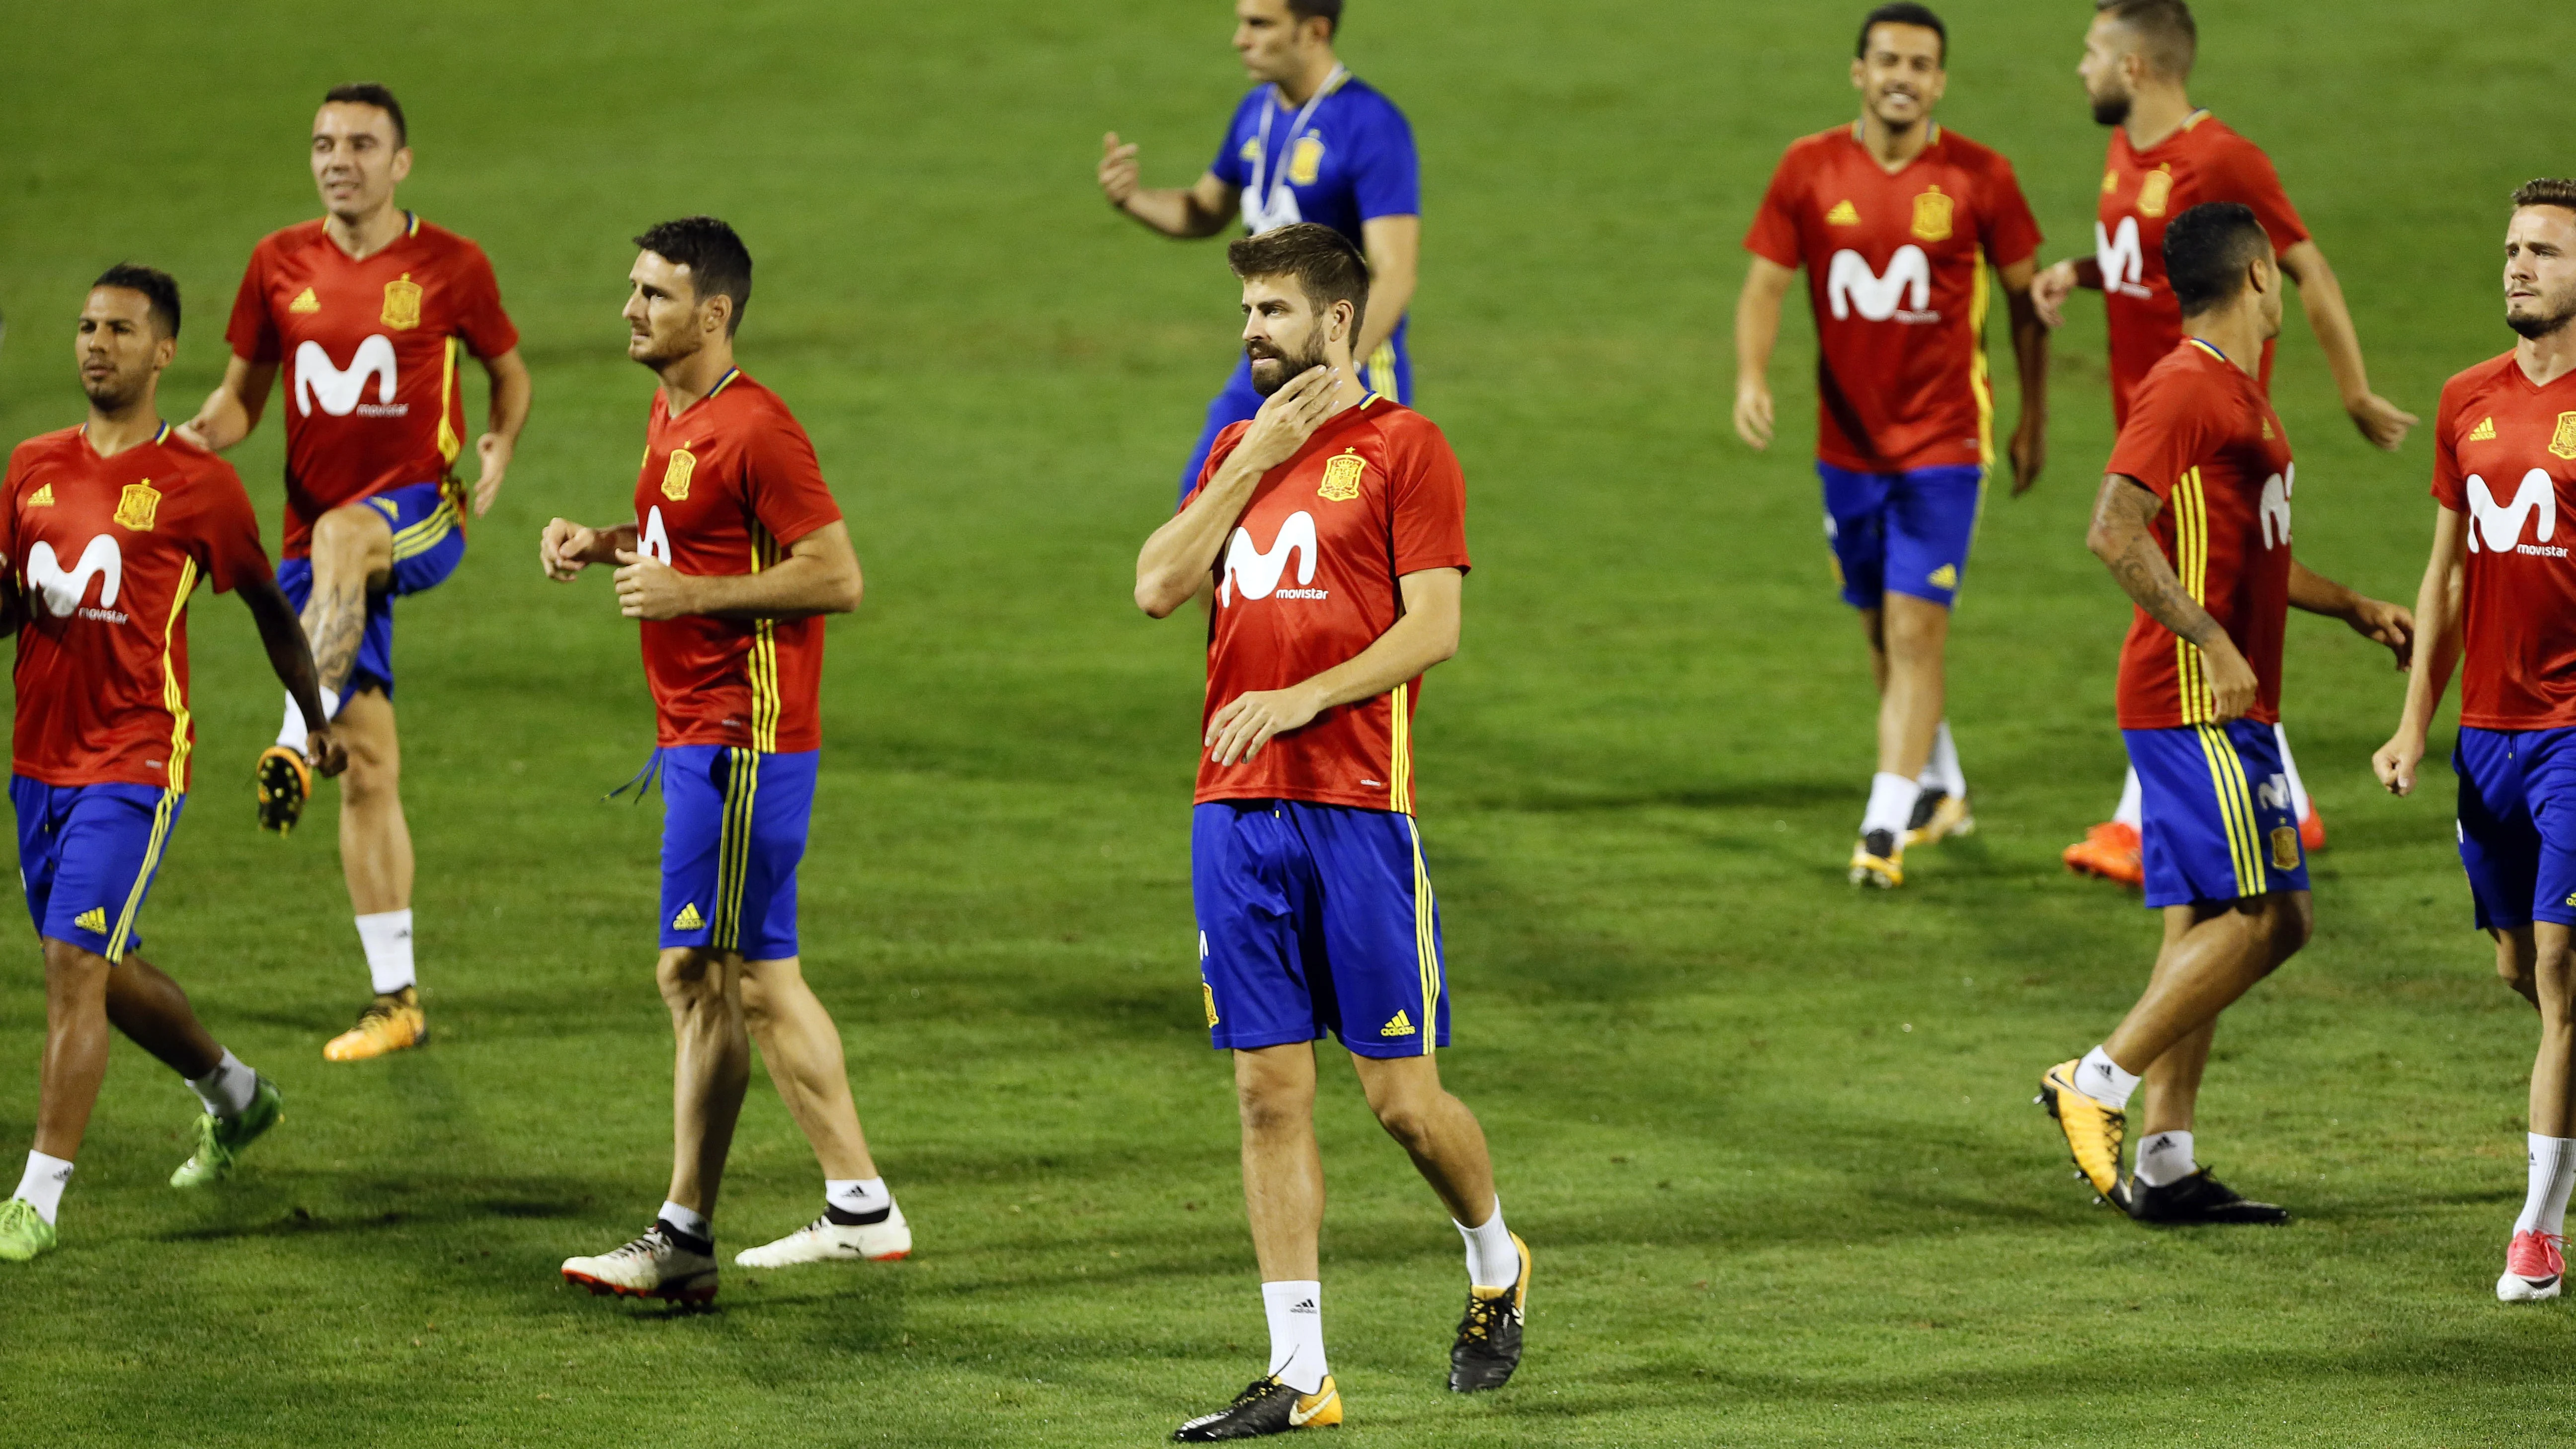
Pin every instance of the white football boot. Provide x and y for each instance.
(654, 1265)
(826, 1241)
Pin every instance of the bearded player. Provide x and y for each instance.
(2194, 521)
(1314, 911)
(736, 554)
(1896, 221)
(1312, 142)
(369, 312)
(106, 530)
(2499, 603)
(2168, 156)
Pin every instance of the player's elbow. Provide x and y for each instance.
(2104, 542)
(1156, 597)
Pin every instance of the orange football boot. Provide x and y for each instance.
(2108, 850)
(2312, 829)
(389, 1024)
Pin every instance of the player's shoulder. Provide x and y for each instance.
(1974, 156)
(1358, 95)
(2183, 377)
(1816, 145)
(1402, 427)
(287, 240)
(42, 448)
(745, 405)
(2471, 381)
(2211, 137)
(195, 462)
(443, 243)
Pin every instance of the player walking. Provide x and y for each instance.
(369, 311)
(2194, 521)
(2504, 473)
(736, 553)
(2168, 156)
(1896, 220)
(106, 530)
(1311, 143)
(1314, 911)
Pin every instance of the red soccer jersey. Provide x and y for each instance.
(2205, 441)
(105, 552)
(1896, 270)
(1308, 581)
(2144, 191)
(369, 353)
(728, 486)
(2504, 453)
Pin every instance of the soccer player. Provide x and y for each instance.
(2168, 156)
(2194, 521)
(1312, 142)
(369, 311)
(106, 529)
(2499, 603)
(1331, 530)
(1896, 221)
(736, 553)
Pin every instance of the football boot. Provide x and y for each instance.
(2094, 1130)
(656, 1263)
(1266, 1406)
(1878, 859)
(389, 1024)
(1489, 1336)
(2533, 1267)
(1938, 815)
(220, 1140)
(2312, 829)
(2200, 1198)
(2109, 850)
(24, 1232)
(837, 1237)
(284, 783)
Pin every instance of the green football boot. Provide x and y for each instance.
(23, 1231)
(220, 1140)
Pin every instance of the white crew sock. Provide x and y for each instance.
(387, 937)
(1891, 804)
(1492, 1261)
(2164, 1158)
(227, 1089)
(2544, 1207)
(291, 733)
(859, 1196)
(688, 1220)
(2100, 1078)
(1296, 1312)
(2290, 767)
(1941, 771)
(2132, 812)
(43, 1184)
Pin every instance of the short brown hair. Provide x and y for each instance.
(1327, 267)
(2545, 191)
(368, 93)
(2167, 37)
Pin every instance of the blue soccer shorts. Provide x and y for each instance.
(734, 823)
(429, 541)
(87, 855)
(2517, 824)
(1387, 372)
(1316, 918)
(1906, 533)
(2218, 823)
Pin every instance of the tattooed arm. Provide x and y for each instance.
(2122, 539)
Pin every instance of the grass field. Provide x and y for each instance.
(1770, 1139)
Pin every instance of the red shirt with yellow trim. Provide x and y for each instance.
(104, 552)
(728, 487)
(1896, 272)
(369, 351)
(2504, 453)
(1308, 581)
(2204, 439)
(2142, 192)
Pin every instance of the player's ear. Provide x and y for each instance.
(164, 352)
(402, 165)
(1858, 73)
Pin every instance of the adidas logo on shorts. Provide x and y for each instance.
(93, 919)
(688, 919)
(1402, 1025)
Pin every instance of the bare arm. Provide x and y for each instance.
(2054, 284)
(511, 393)
(2437, 645)
(2122, 539)
(1200, 209)
(2321, 297)
(820, 575)
(1424, 635)
(1757, 331)
(2390, 625)
(233, 408)
(2030, 354)
(283, 636)
(1394, 247)
(1175, 562)
(565, 548)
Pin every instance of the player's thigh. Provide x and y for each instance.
(1855, 507)
(778, 817)
(2500, 844)
(1381, 930)
(2548, 759)
(112, 840)
(426, 535)
(1931, 528)
(366, 725)
(1251, 890)
(354, 541)
(2217, 821)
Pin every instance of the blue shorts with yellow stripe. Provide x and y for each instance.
(1388, 372)
(1316, 918)
(87, 855)
(733, 832)
(428, 544)
(2217, 823)
(2517, 824)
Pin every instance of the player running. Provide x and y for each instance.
(2499, 602)
(369, 311)
(1896, 221)
(2168, 156)
(1312, 142)
(2194, 521)
(106, 529)
(736, 553)
(1314, 911)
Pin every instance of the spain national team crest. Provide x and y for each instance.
(2285, 847)
(402, 303)
(1932, 216)
(1306, 161)
(136, 509)
(675, 478)
(1342, 478)
(2155, 193)
(2563, 442)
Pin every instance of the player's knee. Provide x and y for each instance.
(70, 967)
(688, 976)
(1272, 1102)
(1409, 1120)
(347, 538)
(2292, 921)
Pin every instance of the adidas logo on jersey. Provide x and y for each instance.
(44, 497)
(688, 919)
(1843, 214)
(93, 919)
(305, 301)
(2484, 432)
(1402, 1025)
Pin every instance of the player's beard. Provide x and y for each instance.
(2534, 326)
(1282, 366)
(113, 393)
(2112, 109)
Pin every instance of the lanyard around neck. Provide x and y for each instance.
(1269, 193)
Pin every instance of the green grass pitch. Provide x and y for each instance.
(1771, 1140)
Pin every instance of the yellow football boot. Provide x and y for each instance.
(1938, 815)
(284, 782)
(1878, 859)
(2095, 1131)
(389, 1024)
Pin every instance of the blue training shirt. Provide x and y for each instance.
(1344, 158)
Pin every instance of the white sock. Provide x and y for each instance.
(2544, 1208)
(1296, 1311)
(291, 733)
(2100, 1078)
(1891, 803)
(2164, 1158)
(387, 937)
(2132, 812)
(1941, 771)
(2290, 767)
(227, 1089)
(688, 1220)
(859, 1195)
(1492, 1261)
(43, 1184)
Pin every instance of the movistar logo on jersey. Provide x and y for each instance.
(2122, 260)
(63, 589)
(2500, 527)
(654, 539)
(1903, 293)
(342, 392)
(1257, 571)
(2274, 509)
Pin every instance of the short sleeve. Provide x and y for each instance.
(2450, 485)
(2170, 429)
(252, 331)
(1218, 451)
(1774, 235)
(228, 531)
(1386, 177)
(9, 485)
(480, 321)
(1228, 165)
(1427, 502)
(784, 481)
(2009, 233)
(2241, 172)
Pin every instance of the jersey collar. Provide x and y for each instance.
(159, 436)
(723, 382)
(2211, 349)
